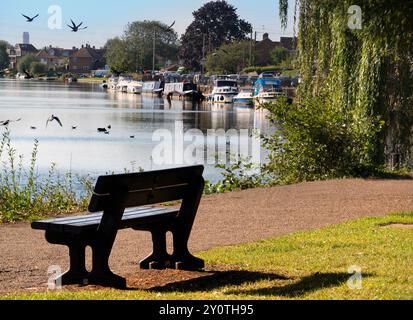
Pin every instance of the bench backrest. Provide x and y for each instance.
(145, 188)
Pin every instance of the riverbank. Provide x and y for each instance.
(222, 220)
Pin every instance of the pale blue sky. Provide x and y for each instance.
(107, 18)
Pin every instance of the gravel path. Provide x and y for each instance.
(222, 220)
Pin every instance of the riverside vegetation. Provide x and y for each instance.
(24, 195)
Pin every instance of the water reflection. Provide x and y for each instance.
(89, 107)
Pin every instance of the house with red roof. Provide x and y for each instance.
(87, 59)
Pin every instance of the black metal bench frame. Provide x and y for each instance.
(112, 195)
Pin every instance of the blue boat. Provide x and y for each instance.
(267, 89)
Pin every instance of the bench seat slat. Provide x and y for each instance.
(131, 217)
(74, 219)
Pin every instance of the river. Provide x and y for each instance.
(133, 118)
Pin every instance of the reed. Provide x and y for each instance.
(25, 195)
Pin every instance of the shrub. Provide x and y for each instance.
(315, 141)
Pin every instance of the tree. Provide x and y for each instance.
(361, 71)
(38, 68)
(229, 58)
(134, 50)
(280, 55)
(215, 23)
(24, 65)
(4, 57)
(117, 56)
(140, 36)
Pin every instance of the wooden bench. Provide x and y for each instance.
(117, 203)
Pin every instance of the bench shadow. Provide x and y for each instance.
(220, 279)
(304, 286)
(217, 280)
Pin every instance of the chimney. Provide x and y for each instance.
(265, 36)
(83, 46)
(94, 47)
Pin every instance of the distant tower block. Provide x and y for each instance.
(26, 38)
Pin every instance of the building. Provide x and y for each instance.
(56, 58)
(26, 38)
(265, 47)
(19, 51)
(87, 59)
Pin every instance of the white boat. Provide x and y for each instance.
(152, 88)
(269, 95)
(134, 87)
(224, 91)
(122, 85)
(112, 82)
(245, 97)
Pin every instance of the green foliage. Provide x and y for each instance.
(38, 68)
(24, 64)
(315, 140)
(280, 55)
(364, 73)
(26, 196)
(229, 58)
(239, 175)
(260, 70)
(134, 50)
(4, 57)
(117, 56)
(215, 23)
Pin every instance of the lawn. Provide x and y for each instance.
(306, 265)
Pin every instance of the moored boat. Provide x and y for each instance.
(134, 87)
(182, 91)
(268, 89)
(245, 97)
(224, 91)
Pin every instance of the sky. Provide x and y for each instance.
(107, 18)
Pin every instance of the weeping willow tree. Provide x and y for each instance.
(363, 74)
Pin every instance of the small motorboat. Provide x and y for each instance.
(224, 91)
(134, 87)
(245, 97)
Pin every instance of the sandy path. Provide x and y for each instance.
(226, 219)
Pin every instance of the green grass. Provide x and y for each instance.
(305, 265)
(92, 79)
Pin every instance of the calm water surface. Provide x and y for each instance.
(88, 107)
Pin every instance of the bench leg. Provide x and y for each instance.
(159, 259)
(77, 272)
(101, 273)
(181, 258)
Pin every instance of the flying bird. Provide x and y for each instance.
(54, 118)
(5, 123)
(33, 128)
(76, 28)
(30, 19)
(170, 27)
(74, 128)
(102, 130)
